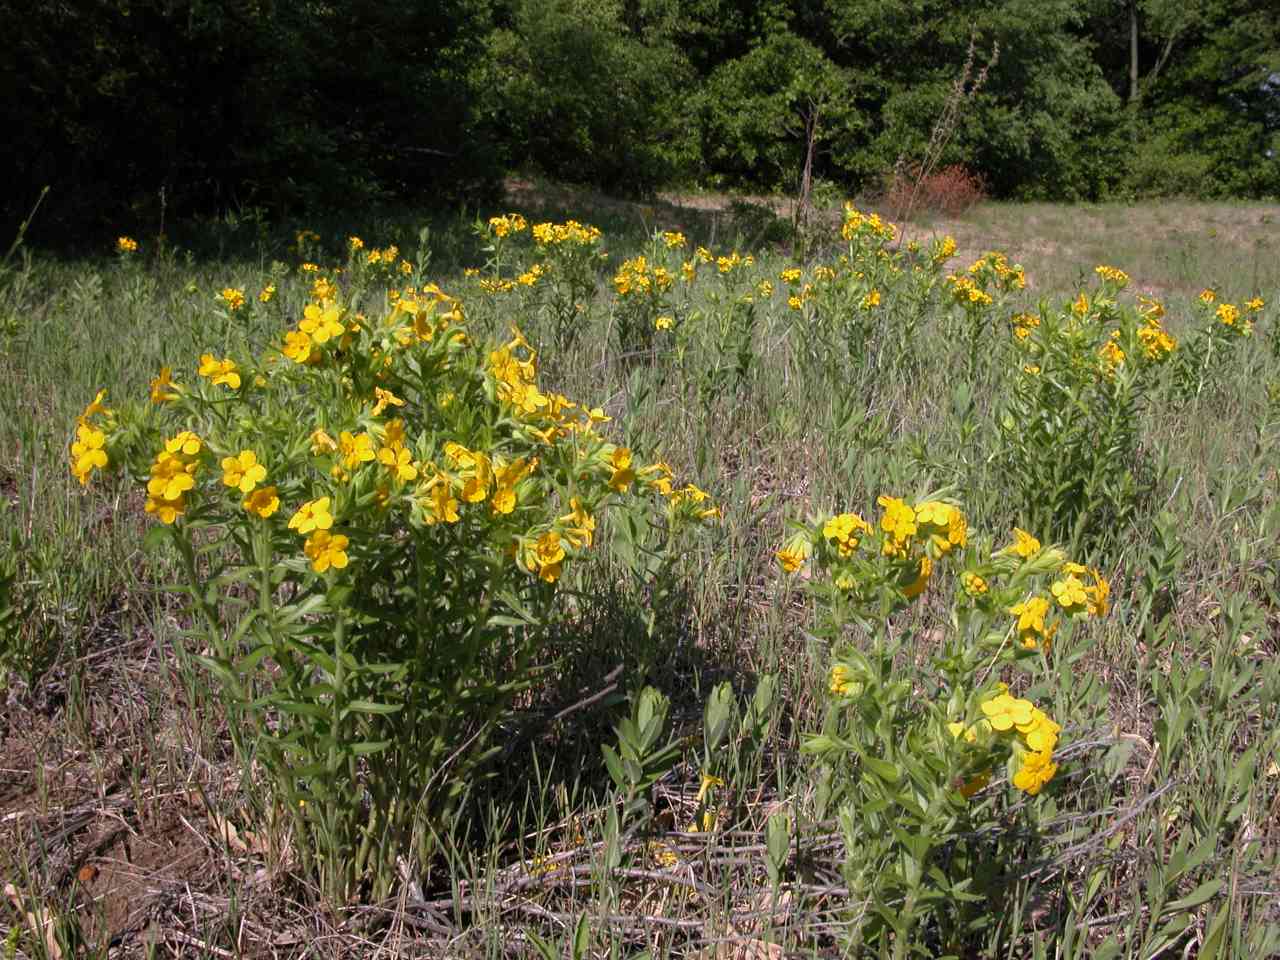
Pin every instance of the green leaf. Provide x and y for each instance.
(368, 706)
(366, 748)
(1199, 895)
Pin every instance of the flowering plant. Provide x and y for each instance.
(906, 757)
(372, 518)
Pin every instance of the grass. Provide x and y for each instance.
(122, 806)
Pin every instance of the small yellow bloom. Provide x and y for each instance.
(233, 297)
(126, 245)
(264, 501)
(243, 471)
(219, 371)
(326, 550)
(312, 515)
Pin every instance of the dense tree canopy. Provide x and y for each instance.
(119, 103)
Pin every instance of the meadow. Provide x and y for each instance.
(588, 578)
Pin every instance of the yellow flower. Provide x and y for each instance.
(267, 293)
(674, 239)
(1003, 712)
(1228, 314)
(126, 245)
(871, 300)
(161, 387)
(916, 587)
(1254, 305)
(322, 443)
(973, 584)
(95, 407)
(899, 520)
(1037, 769)
(355, 243)
(384, 397)
(355, 449)
(233, 297)
(623, 475)
(791, 558)
(321, 322)
(844, 531)
(399, 461)
(264, 501)
(1114, 275)
(1024, 544)
(87, 453)
(545, 556)
(664, 322)
(326, 550)
(1098, 593)
(312, 515)
(1032, 631)
(580, 524)
(790, 275)
(243, 471)
(841, 680)
(219, 371)
(297, 347)
(1207, 296)
(1070, 593)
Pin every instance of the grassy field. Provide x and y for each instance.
(132, 825)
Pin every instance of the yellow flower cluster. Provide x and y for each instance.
(966, 292)
(88, 450)
(507, 224)
(912, 537)
(858, 224)
(1112, 275)
(636, 276)
(173, 473)
(674, 239)
(1035, 735)
(126, 245)
(233, 297)
(217, 371)
(570, 232)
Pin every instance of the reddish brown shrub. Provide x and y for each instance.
(949, 191)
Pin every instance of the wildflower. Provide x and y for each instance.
(581, 525)
(1207, 296)
(916, 586)
(384, 398)
(399, 461)
(1037, 769)
(321, 321)
(322, 443)
(219, 371)
(545, 556)
(674, 239)
(326, 550)
(312, 515)
(973, 584)
(1112, 356)
(1070, 594)
(264, 501)
(871, 300)
(791, 557)
(1097, 593)
(355, 449)
(944, 525)
(95, 407)
(355, 243)
(899, 521)
(844, 531)
(266, 294)
(126, 245)
(623, 475)
(87, 453)
(1254, 305)
(233, 297)
(172, 475)
(1228, 314)
(1032, 631)
(243, 471)
(1112, 274)
(765, 289)
(1003, 712)
(663, 322)
(1024, 544)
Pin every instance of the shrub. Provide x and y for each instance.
(949, 191)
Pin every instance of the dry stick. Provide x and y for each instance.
(962, 92)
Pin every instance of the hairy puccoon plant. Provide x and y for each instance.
(372, 519)
(909, 763)
(1080, 377)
